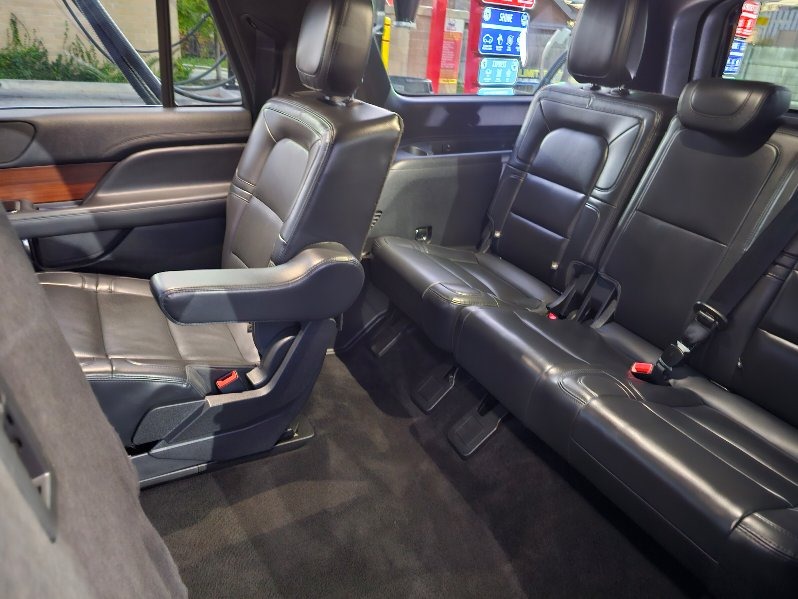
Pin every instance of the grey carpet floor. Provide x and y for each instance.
(379, 505)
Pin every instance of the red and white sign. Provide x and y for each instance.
(747, 22)
(521, 4)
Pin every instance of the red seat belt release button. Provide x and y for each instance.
(552, 316)
(227, 382)
(644, 368)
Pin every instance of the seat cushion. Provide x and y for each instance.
(711, 475)
(515, 354)
(719, 493)
(432, 284)
(134, 358)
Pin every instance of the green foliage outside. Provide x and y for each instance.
(25, 56)
(189, 13)
(200, 49)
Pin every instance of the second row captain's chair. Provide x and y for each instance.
(298, 212)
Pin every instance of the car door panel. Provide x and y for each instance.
(148, 195)
(81, 135)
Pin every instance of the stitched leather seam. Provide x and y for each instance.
(767, 543)
(172, 336)
(462, 301)
(782, 187)
(296, 119)
(315, 113)
(237, 257)
(538, 225)
(242, 180)
(315, 171)
(608, 109)
(134, 362)
(775, 526)
(712, 453)
(268, 129)
(733, 115)
(145, 378)
(102, 329)
(458, 277)
(742, 450)
(246, 200)
(654, 167)
(665, 520)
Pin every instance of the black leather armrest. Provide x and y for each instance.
(321, 281)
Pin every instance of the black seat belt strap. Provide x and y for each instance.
(713, 314)
(266, 56)
(510, 182)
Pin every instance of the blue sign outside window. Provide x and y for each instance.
(498, 71)
(500, 31)
(735, 61)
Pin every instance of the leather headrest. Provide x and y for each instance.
(607, 42)
(334, 45)
(748, 109)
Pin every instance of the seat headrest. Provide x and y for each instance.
(334, 45)
(748, 109)
(607, 42)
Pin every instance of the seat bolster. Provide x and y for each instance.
(701, 483)
(433, 284)
(761, 557)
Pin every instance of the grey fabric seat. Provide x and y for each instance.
(297, 214)
(580, 152)
(85, 534)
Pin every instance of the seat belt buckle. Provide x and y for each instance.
(642, 369)
(708, 316)
(231, 383)
(658, 373)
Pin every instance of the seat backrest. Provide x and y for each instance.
(72, 524)
(756, 355)
(316, 161)
(721, 169)
(765, 368)
(581, 149)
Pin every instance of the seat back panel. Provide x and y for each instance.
(578, 157)
(698, 205)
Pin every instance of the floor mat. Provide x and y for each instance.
(379, 505)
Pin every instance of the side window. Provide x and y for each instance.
(202, 71)
(69, 53)
(765, 45)
(485, 47)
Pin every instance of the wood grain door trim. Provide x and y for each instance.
(58, 183)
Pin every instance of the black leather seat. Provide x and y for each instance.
(297, 216)
(709, 465)
(577, 159)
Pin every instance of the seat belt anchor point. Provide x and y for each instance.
(709, 317)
